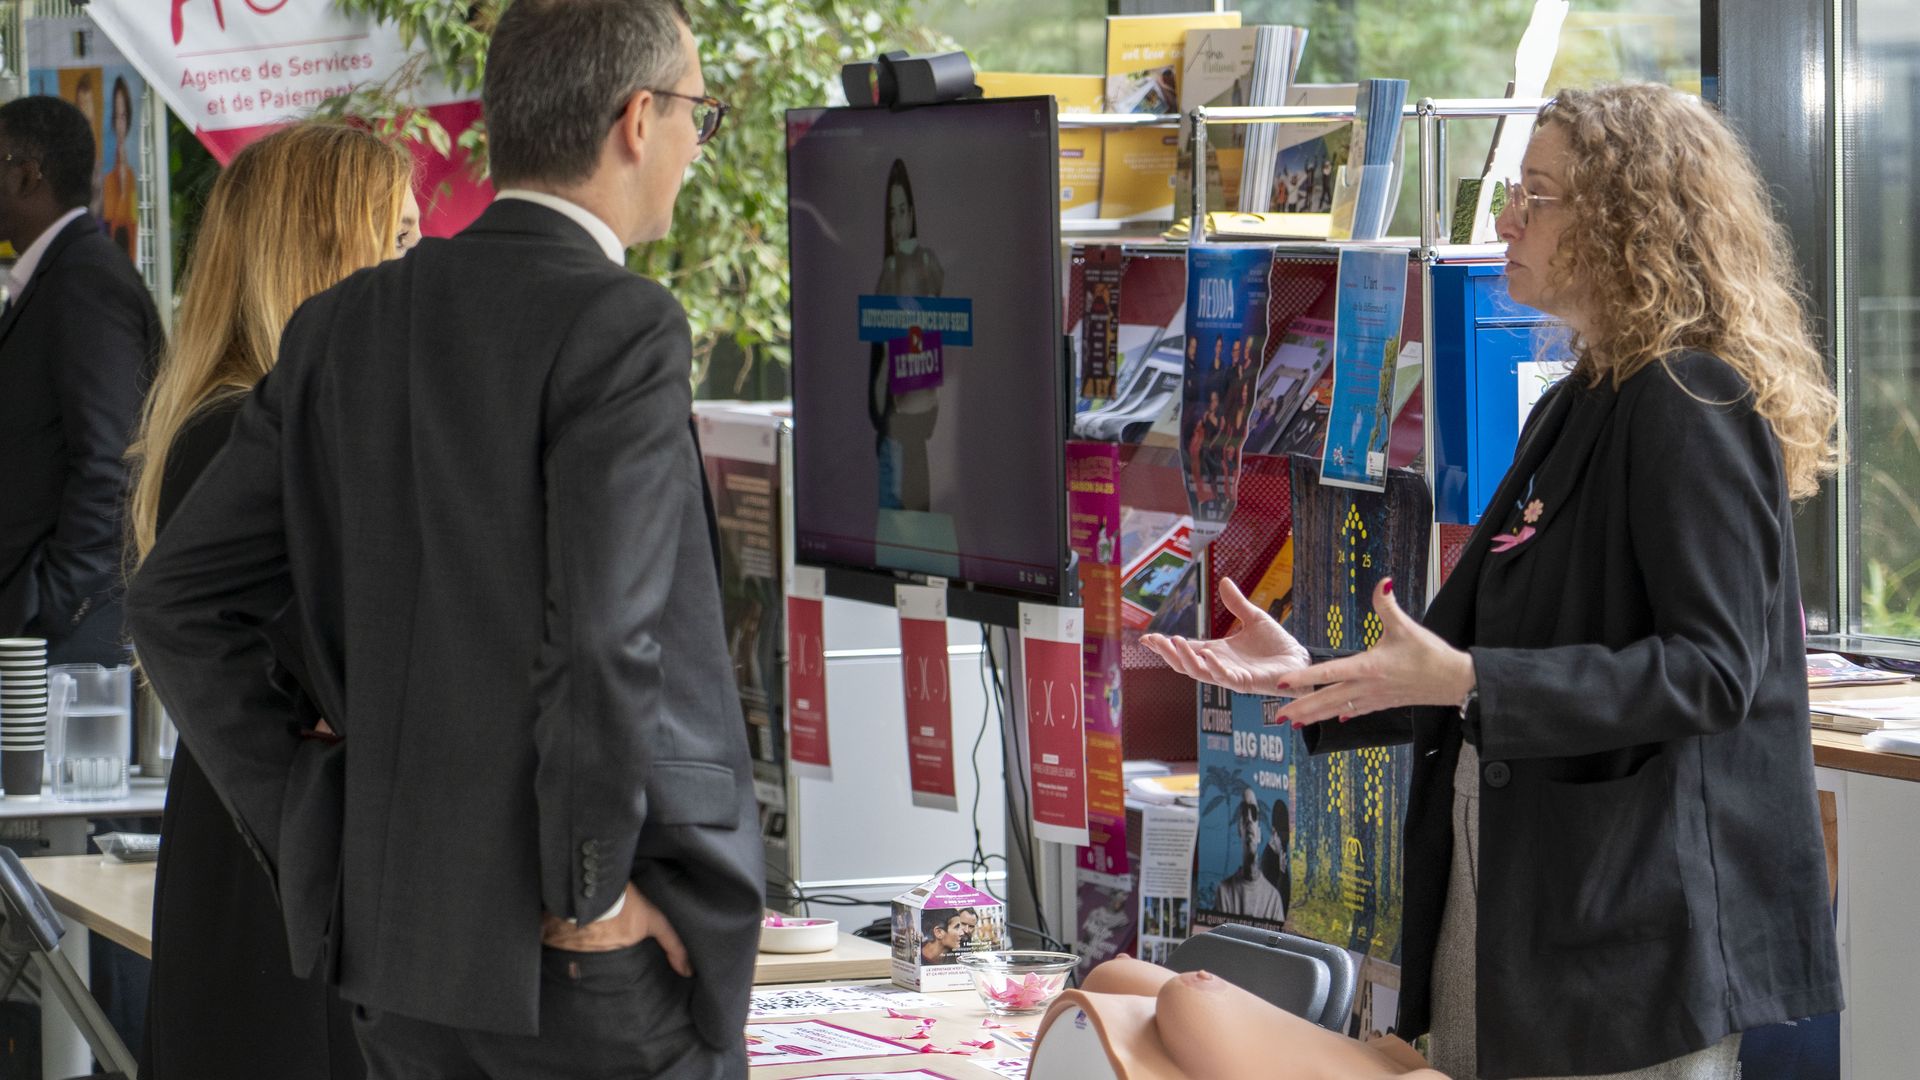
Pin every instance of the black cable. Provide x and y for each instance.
(1019, 828)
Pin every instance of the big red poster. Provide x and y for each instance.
(924, 676)
(1050, 639)
(807, 670)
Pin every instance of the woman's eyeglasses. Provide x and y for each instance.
(708, 111)
(1523, 202)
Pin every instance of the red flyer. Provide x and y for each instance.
(807, 671)
(925, 676)
(1050, 640)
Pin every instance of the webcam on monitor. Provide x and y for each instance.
(897, 78)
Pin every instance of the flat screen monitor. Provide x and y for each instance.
(929, 375)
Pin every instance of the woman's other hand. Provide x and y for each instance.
(1409, 665)
(1252, 659)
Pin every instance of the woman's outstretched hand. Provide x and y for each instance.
(1252, 659)
(1408, 665)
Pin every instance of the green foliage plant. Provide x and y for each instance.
(726, 258)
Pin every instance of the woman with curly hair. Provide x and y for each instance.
(1614, 861)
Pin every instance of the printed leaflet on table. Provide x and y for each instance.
(806, 1041)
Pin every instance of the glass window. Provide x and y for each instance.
(1062, 37)
(1880, 301)
(1445, 48)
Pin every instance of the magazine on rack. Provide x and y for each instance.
(1288, 380)
(1147, 390)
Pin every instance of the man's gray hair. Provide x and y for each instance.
(558, 72)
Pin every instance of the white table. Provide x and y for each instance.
(64, 826)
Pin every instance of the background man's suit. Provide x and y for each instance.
(468, 506)
(77, 349)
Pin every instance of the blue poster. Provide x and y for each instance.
(1366, 349)
(1243, 863)
(1225, 349)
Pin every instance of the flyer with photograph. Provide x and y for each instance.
(1227, 288)
(1244, 870)
(1167, 836)
(1366, 352)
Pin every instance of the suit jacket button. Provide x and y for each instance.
(592, 877)
(590, 847)
(1497, 774)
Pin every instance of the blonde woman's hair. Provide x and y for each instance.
(1672, 239)
(291, 215)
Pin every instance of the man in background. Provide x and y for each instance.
(79, 336)
(470, 493)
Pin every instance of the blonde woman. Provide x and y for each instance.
(1614, 862)
(291, 215)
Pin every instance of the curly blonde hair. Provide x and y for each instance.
(1671, 237)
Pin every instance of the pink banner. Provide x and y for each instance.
(807, 669)
(924, 677)
(1056, 738)
(239, 69)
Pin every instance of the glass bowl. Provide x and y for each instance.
(1016, 982)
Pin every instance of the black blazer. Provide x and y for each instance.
(1652, 872)
(222, 1000)
(77, 349)
(469, 494)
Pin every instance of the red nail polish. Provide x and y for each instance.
(1344, 719)
(1387, 586)
(1284, 720)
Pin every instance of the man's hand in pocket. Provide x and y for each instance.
(637, 921)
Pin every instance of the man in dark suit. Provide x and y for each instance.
(468, 508)
(78, 339)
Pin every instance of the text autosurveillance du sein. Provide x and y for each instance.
(265, 87)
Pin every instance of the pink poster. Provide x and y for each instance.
(924, 677)
(807, 670)
(1050, 640)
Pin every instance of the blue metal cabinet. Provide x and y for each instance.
(1485, 346)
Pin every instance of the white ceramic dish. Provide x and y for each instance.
(789, 934)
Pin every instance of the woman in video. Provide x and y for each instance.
(903, 422)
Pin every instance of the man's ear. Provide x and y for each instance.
(636, 122)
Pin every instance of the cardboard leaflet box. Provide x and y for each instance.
(936, 922)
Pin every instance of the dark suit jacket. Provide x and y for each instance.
(77, 349)
(469, 501)
(1652, 872)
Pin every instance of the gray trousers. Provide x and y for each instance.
(1453, 1050)
(602, 1016)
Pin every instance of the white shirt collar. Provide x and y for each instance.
(601, 232)
(29, 260)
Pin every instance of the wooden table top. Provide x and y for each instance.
(115, 900)
(1844, 750)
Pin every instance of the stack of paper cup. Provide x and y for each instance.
(23, 714)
